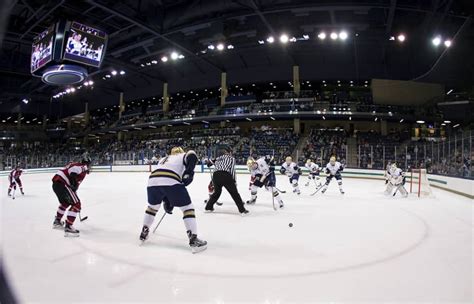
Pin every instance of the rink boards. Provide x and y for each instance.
(464, 187)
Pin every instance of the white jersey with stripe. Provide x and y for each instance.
(290, 168)
(170, 170)
(261, 168)
(312, 167)
(333, 169)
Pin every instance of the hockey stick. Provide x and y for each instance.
(317, 190)
(273, 200)
(82, 219)
(154, 230)
(281, 191)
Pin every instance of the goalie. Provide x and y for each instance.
(396, 180)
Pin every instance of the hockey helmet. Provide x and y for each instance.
(176, 150)
(309, 161)
(86, 159)
(393, 166)
(288, 159)
(332, 160)
(224, 149)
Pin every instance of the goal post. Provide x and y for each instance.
(419, 183)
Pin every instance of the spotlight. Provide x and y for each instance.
(322, 35)
(447, 43)
(86, 83)
(68, 91)
(25, 101)
(174, 56)
(211, 47)
(420, 121)
(122, 72)
(392, 38)
(333, 36)
(293, 39)
(230, 47)
(447, 121)
(343, 35)
(220, 46)
(164, 59)
(401, 120)
(107, 76)
(284, 38)
(142, 65)
(180, 56)
(73, 90)
(436, 41)
(270, 39)
(261, 42)
(115, 72)
(91, 82)
(401, 37)
(153, 62)
(306, 37)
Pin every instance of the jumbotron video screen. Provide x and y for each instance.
(42, 49)
(85, 44)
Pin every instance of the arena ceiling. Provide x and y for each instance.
(143, 31)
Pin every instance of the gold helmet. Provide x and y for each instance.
(309, 161)
(176, 150)
(332, 160)
(288, 159)
(250, 162)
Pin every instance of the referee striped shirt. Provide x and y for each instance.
(225, 163)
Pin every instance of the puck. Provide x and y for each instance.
(290, 224)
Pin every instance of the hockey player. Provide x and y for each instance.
(263, 173)
(396, 179)
(167, 185)
(66, 181)
(250, 162)
(313, 173)
(333, 170)
(14, 179)
(293, 172)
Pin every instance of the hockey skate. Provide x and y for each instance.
(70, 231)
(281, 205)
(252, 201)
(244, 212)
(342, 191)
(144, 233)
(196, 244)
(58, 224)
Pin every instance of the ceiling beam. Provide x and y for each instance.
(391, 14)
(154, 32)
(41, 18)
(269, 27)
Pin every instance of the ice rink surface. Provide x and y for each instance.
(357, 247)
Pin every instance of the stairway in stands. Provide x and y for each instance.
(298, 151)
(352, 160)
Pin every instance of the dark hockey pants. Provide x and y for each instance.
(224, 179)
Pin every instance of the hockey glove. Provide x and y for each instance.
(187, 178)
(282, 170)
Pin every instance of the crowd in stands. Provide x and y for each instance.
(322, 144)
(373, 151)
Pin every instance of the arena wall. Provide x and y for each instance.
(460, 186)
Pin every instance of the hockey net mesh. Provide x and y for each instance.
(419, 183)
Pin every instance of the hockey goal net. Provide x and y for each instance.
(419, 183)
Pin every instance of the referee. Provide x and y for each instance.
(224, 176)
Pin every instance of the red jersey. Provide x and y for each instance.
(15, 174)
(63, 175)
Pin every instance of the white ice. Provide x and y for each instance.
(357, 247)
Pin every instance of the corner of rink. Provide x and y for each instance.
(377, 248)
